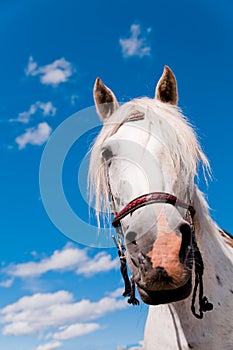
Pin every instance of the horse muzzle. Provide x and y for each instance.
(163, 274)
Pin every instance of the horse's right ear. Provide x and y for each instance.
(105, 100)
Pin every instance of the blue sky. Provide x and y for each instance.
(56, 293)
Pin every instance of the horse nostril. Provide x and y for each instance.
(161, 275)
(160, 270)
(186, 233)
(185, 228)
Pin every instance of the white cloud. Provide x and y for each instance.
(38, 301)
(53, 74)
(76, 330)
(34, 136)
(50, 346)
(116, 293)
(18, 328)
(69, 258)
(58, 315)
(43, 312)
(100, 263)
(7, 283)
(136, 44)
(73, 99)
(24, 117)
(32, 67)
(66, 259)
(47, 109)
(138, 346)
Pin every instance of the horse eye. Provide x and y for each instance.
(131, 237)
(107, 154)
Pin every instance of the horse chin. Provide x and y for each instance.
(156, 297)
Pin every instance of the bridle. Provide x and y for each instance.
(150, 198)
(163, 297)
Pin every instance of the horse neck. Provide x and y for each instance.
(216, 254)
(217, 281)
(175, 325)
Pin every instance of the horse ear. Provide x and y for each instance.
(105, 100)
(166, 89)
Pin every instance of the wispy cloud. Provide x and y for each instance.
(38, 301)
(53, 74)
(73, 99)
(57, 313)
(50, 346)
(76, 330)
(102, 262)
(137, 346)
(137, 43)
(7, 283)
(35, 136)
(116, 293)
(67, 259)
(46, 108)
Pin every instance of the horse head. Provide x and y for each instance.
(147, 153)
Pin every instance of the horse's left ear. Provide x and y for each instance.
(105, 100)
(166, 89)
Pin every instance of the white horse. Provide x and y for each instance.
(143, 166)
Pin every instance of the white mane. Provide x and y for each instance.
(172, 129)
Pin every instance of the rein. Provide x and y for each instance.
(139, 202)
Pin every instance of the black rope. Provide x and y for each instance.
(204, 304)
(132, 300)
(129, 286)
(124, 272)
